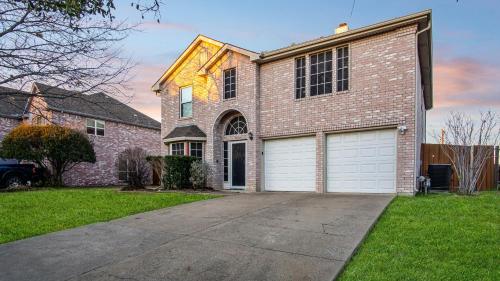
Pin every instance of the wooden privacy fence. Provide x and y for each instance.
(435, 154)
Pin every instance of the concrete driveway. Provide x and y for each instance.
(261, 236)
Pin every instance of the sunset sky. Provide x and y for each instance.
(466, 41)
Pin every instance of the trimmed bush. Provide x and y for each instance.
(177, 171)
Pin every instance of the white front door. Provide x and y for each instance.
(363, 162)
(290, 164)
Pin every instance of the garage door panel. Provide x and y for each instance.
(361, 162)
(290, 164)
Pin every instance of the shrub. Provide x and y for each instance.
(134, 168)
(200, 171)
(177, 171)
(50, 146)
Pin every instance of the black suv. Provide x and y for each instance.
(13, 174)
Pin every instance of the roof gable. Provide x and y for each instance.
(182, 58)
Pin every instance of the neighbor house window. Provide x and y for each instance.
(300, 77)
(321, 73)
(230, 83)
(95, 127)
(37, 120)
(196, 149)
(177, 148)
(342, 69)
(226, 162)
(187, 101)
(237, 125)
(123, 169)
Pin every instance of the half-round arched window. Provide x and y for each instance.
(237, 125)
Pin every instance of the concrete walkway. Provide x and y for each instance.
(261, 236)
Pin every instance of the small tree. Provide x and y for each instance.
(133, 162)
(55, 148)
(469, 145)
(200, 171)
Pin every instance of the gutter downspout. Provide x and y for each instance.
(417, 165)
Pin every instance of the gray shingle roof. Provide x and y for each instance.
(99, 106)
(191, 131)
(12, 102)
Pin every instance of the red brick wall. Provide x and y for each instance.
(381, 93)
(117, 138)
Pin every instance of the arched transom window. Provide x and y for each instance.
(237, 125)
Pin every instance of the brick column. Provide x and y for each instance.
(320, 162)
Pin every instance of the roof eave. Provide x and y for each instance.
(344, 37)
(102, 118)
(226, 48)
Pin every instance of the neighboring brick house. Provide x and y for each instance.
(12, 106)
(111, 125)
(342, 113)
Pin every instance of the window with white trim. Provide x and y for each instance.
(95, 127)
(230, 83)
(321, 73)
(123, 170)
(196, 149)
(186, 97)
(342, 69)
(177, 148)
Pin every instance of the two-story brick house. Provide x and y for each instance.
(342, 113)
(111, 125)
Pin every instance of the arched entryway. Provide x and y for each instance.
(231, 135)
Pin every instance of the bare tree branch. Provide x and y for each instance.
(469, 145)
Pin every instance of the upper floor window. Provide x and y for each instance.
(300, 77)
(342, 69)
(187, 101)
(230, 83)
(237, 125)
(196, 149)
(321, 73)
(95, 127)
(177, 148)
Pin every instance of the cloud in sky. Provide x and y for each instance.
(463, 85)
(465, 81)
(139, 86)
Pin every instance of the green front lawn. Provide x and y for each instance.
(434, 237)
(26, 214)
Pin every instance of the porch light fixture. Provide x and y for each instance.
(250, 136)
(402, 129)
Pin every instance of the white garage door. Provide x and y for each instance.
(362, 162)
(290, 164)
